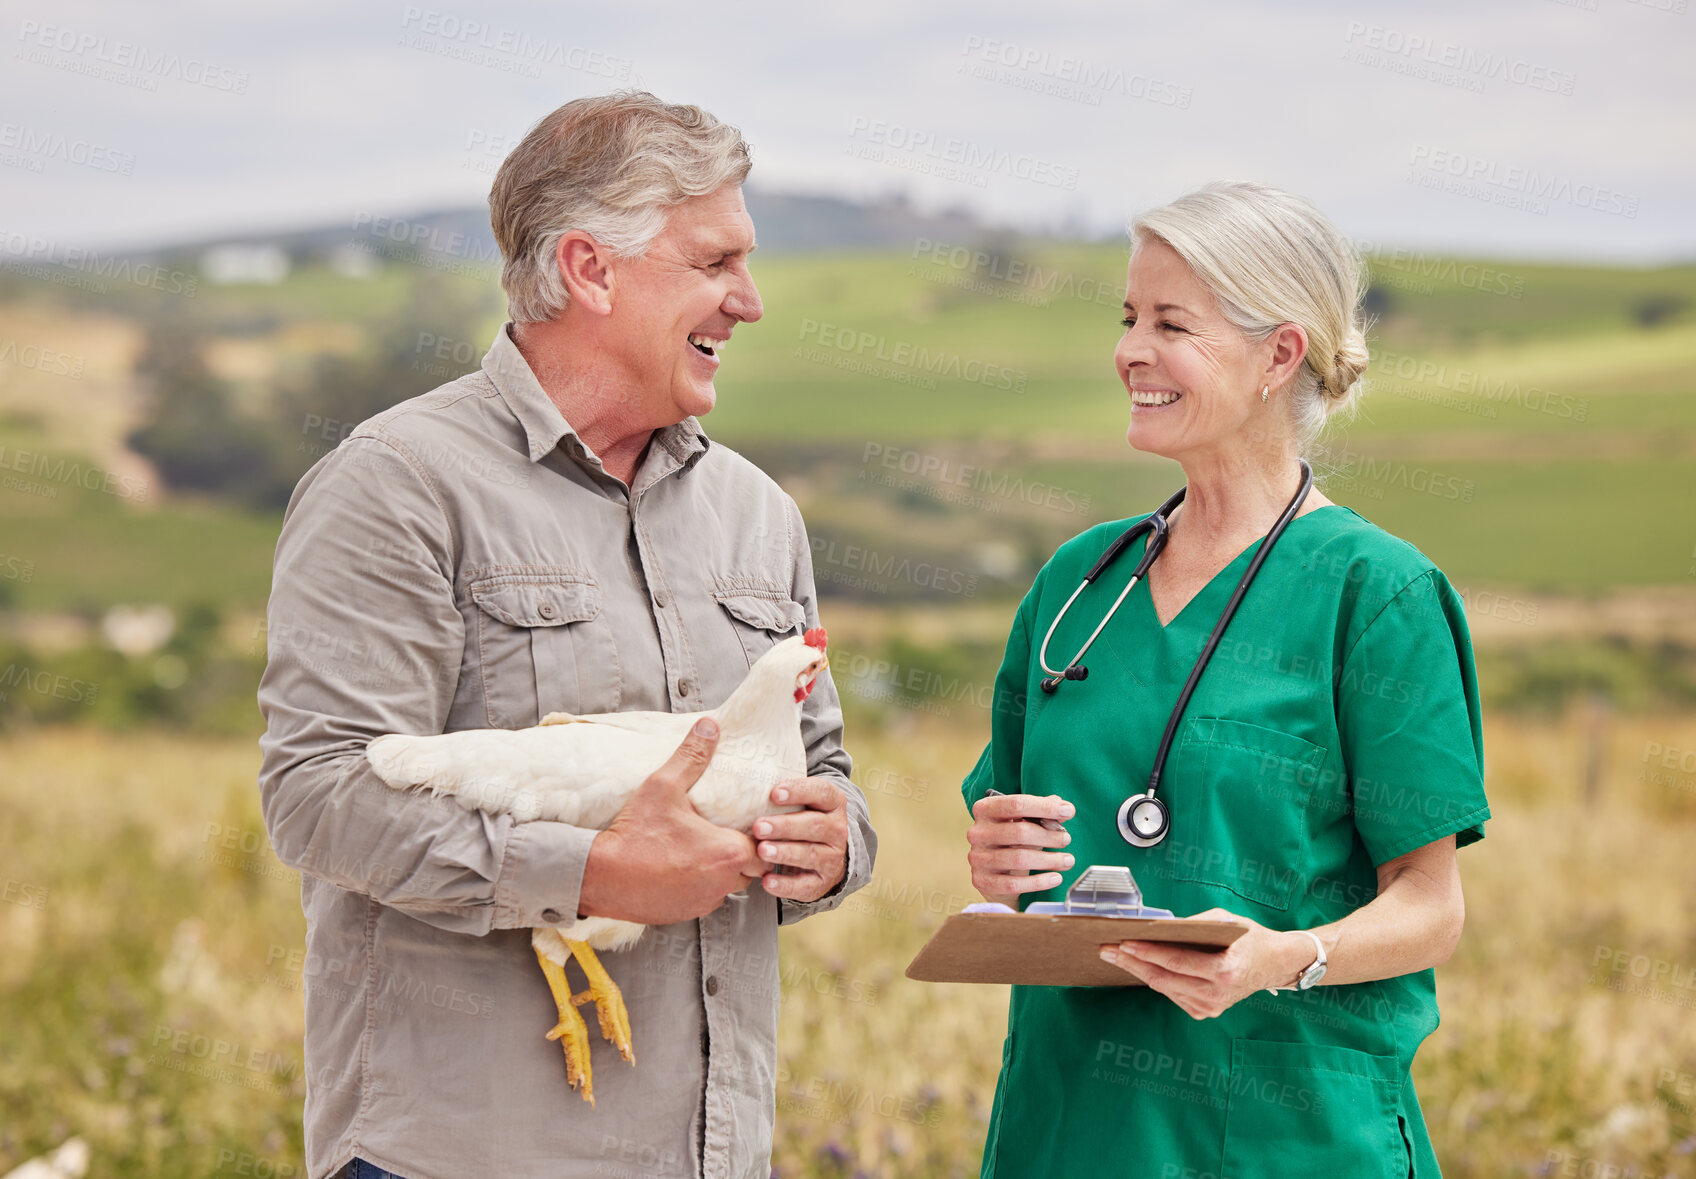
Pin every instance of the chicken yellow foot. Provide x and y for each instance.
(571, 1030)
(608, 999)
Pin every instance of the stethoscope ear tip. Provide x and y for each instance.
(1052, 683)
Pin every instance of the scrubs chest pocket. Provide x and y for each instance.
(761, 617)
(540, 646)
(1312, 1109)
(1239, 819)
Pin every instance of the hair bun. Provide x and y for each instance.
(1347, 367)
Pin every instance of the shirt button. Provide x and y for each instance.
(551, 916)
(546, 610)
(712, 984)
(661, 598)
(683, 687)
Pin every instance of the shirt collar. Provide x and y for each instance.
(545, 428)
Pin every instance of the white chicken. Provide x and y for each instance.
(581, 770)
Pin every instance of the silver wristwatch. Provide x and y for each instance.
(1309, 978)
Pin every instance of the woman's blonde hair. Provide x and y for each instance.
(611, 166)
(1271, 258)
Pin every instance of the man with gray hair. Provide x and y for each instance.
(551, 533)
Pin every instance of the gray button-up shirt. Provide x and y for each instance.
(463, 561)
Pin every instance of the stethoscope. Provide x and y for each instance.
(1143, 818)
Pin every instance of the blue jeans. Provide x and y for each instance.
(360, 1169)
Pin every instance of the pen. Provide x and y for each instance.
(1048, 824)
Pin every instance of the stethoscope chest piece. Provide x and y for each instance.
(1143, 820)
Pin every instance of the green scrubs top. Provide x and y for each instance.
(1336, 727)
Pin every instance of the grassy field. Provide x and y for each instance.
(1530, 427)
(145, 903)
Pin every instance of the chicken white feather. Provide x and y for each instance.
(582, 769)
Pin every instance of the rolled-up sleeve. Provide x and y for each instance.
(821, 732)
(364, 637)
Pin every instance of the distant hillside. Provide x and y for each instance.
(786, 222)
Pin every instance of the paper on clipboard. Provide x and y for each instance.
(1059, 944)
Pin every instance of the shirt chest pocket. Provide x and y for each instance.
(760, 618)
(543, 646)
(1240, 819)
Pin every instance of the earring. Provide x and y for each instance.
(1264, 391)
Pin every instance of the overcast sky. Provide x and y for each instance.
(1509, 127)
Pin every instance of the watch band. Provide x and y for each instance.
(1318, 964)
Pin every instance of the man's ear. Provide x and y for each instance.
(586, 268)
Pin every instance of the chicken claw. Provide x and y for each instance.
(571, 1030)
(608, 999)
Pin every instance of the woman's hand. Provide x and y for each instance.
(1412, 924)
(1008, 855)
(1206, 982)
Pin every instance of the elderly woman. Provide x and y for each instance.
(1322, 771)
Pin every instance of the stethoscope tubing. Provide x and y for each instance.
(1159, 534)
(1225, 617)
(1156, 525)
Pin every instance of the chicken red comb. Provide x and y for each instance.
(814, 638)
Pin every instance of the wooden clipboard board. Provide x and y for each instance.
(1038, 950)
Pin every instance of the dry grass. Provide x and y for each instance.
(148, 924)
(73, 373)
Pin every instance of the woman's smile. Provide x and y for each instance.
(1149, 398)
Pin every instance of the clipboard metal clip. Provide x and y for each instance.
(1102, 891)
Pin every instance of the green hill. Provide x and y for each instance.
(1524, 424)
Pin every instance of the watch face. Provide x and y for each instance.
(1311, 976)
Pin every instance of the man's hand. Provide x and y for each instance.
(1010, 855)
(659, 861)
(812, 842)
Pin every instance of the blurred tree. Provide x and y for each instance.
(1654, 310)
(1377, 302)
(192, 434)
(434, 337)
(200, 440)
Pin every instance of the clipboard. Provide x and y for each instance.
(1058, 944)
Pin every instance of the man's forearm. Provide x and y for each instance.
(458, 870)
(365, 638)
